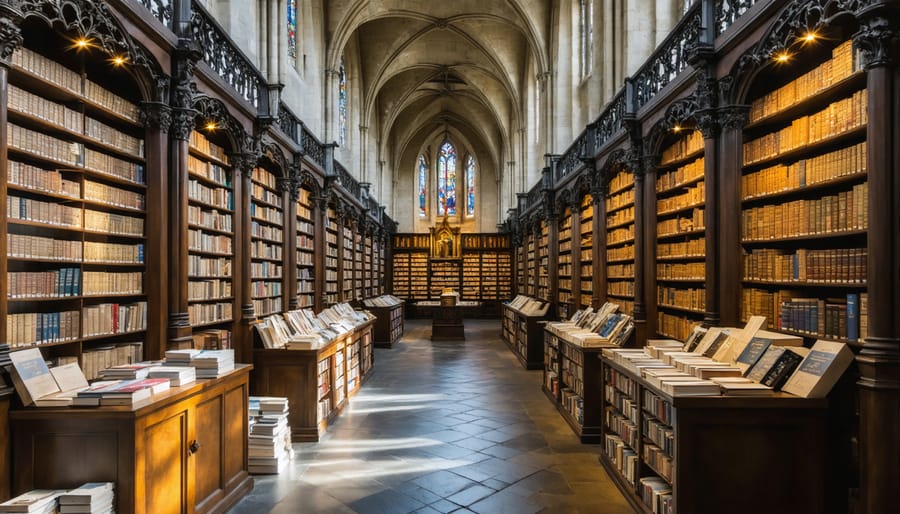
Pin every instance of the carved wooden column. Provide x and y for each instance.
(179, 327)
(599, 189)
(243, 164)
(729, 160)
(157, 118)
(879, 360)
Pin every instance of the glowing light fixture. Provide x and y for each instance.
(782, 57)
(676, 128)
(82, 43)
(119, 60)
(211, 125)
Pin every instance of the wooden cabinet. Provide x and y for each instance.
(388, 324)
(572, 382)
(184, 450)
(716, 453)
(317, 383)
(523, 335)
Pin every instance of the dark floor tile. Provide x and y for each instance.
(443, 483)
(500, 451)
(444, 506)
(386, 501)
(474, 444)
(471, 495)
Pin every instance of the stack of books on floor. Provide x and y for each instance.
(92, 497)
(269, 449)
(737, 362)
(89, 498)
(208, 363)
(589, 328)
(38, 501)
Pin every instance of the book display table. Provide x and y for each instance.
(184, 450)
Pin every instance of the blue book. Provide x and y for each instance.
(852, 316)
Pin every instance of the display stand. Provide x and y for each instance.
(447, 320)
(183, 450)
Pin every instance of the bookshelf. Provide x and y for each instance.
(565, 263)
(212, 299)
(543, 263)
(358, 256)
(521, 264)
(487, 267)
(347, 258)
(680, 237)
(523, 335)
(388, 327)
(317, 382)
(266, 243)
(410, 266)
(76, 190)
(620, 263)
(444, 273)
(804, 202)
(369, 267)
(669, 454)
(571, 380)
(332, 257)
(306, 249)
(531, 263)
(585, 253)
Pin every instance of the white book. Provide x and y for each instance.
(31, 376)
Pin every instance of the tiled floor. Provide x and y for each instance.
(444, 427)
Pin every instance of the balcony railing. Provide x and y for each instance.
(160, 9)
(312, 147)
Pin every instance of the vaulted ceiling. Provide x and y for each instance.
(457, 66)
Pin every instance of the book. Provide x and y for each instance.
(88, 493)
(31, 376)
(782, 367)
(70, 380)
(820, 370)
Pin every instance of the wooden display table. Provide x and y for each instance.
(316, 382)
(184, 450)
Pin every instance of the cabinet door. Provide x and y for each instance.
(208, 479)
(166, 470)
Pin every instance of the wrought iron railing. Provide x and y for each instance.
(160, 9)
(611, 120)
(311, 146)
(346, 179)
(571, 159)
(224, 56)
(534, 196)
(728, 11)
(669, 59)
(289, 123)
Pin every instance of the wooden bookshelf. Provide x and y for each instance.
(585, 253)
(542, 263)
(332, 257)
(651, 439)
(571, 380)
(76, 191)
(620, 263)
(804, 204)
(531, 264)
(347, 257)
(565, 263)
(211, 216)
(389, 326)
(316, 382)
(266, 243)
(680, 222)
(306, 250)
(522, 334)
(487, 267)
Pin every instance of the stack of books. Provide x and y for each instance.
(177, 375)
(208, 363)
(382, 301)
(269, 449)
(92, 497)
(120, 392)
(303, 330)
(38, 501)
(135, 371)
(590, 328)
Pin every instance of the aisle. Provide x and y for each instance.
(442, 427)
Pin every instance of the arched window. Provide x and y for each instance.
(470, 186)
(423, 187)
(446, 180)
(342, 104)
(586, 34)
(292, 31)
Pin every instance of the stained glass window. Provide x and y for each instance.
(587, 36)
(292, 30)
(446, 175)
(423, 187)
(342, 104)
(470, 186)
